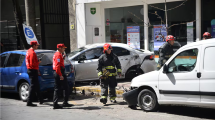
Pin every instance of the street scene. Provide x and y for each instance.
(107, 59)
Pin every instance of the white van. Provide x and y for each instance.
(187, 78)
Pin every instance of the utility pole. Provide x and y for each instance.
(30, 14)
(19, 21)
(166, 18)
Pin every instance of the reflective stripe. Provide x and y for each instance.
(112, 98)
(99, 74)
(103, 96)
(119, 70)
(112, 74)
(110, 67)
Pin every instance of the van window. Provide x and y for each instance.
(184, 61)
(209, 58)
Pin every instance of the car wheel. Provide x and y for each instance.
(147, 100)
(24, 91)
(133, 73)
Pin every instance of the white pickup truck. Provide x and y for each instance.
(187, 78)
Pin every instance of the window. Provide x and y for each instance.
(120, 51)
(13, 60)
(90, 54)
(3, 57)
(185, 61)
(209, 59)
(22, 58)
(96, 31)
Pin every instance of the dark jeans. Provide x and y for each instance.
(59, 85)
(35, 85)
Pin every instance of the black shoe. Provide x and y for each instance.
(67, 105)
(57, 107)
(41, 102)
(31, 104)
(113, 101)
(103, 100)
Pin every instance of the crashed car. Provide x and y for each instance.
(187, 78)
(85, 61)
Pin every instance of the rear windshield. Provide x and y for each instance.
(47, 59)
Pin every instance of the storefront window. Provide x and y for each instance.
(118, 19)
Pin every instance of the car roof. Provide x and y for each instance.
(208, 41)
(102, 44)
(24, 51)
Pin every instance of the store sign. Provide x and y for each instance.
(133, 36)
(29, 34)
(93, 10)
(159, 36)
(213, 28)
(190, 37)
(108, 22)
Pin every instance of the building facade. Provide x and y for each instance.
(100, 21)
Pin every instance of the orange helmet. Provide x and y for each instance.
(207, 35)
(170, 37)
(106, 47)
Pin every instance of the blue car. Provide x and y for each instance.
(14, 77)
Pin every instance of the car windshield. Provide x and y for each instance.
(47, 59)
(76, 51)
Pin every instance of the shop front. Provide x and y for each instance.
(142, 24)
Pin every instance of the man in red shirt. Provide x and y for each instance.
(32, 64)
(60, 77)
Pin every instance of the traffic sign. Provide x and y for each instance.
(29, 34)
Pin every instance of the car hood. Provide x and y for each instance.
(145, 79)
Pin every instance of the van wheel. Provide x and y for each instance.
(24, 91)
(147, 100)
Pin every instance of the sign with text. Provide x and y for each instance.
(133, 36)
(159, 36)
(29, 34)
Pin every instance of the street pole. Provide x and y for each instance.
(19, 21)
(166, 17)
(30, 14)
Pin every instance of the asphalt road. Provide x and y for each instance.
(87, 107)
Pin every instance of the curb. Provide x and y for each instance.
(96, 90)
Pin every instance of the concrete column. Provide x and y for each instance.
(30, 14)
(198, 20)
(72, 23)
(146, 30)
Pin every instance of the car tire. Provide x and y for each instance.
(132, 73)
(147, 100)
(24, 90)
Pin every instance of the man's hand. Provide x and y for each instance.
(39, 61)
(61, 78)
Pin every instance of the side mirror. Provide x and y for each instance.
(165, 69)
(81, 59)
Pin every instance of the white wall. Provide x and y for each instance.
(81, 26)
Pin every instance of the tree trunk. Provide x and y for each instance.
(19, 21)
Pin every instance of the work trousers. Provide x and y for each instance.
(112, 83)
(35, 85)
(60, 85)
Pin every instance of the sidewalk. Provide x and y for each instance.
(96, 89)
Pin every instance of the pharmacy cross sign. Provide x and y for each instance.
(93, 10)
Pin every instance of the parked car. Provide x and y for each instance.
(14, 77)
(85, 61)
(187, 78)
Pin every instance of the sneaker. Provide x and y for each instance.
(31, 104)
(57, 107)
(67, 105)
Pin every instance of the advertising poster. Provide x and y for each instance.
(213, 28)
(190, 32)
(133, 36)
(159, 36)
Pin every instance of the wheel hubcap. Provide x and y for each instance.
(147, 101)
(24, 92)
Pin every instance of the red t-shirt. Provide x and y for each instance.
(31, 60)
(58, 62)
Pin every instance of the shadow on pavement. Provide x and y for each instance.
(196, 112)
(14, 96)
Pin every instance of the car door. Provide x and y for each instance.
(124, 57)
(207, 75)
(181, 83)
(86, 64)
(13, 69)
(2, 69)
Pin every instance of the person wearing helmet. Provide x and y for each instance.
(107, 63)
(166, 51)
(206, 35)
